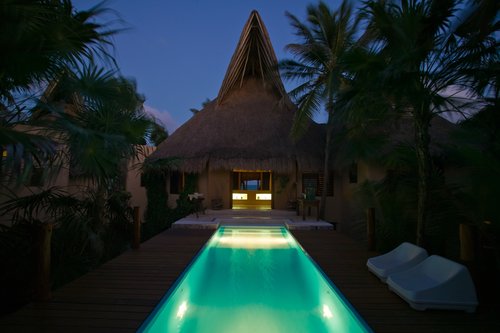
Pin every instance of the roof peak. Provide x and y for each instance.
(254, 57)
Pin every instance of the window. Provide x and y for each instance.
(316, 181)
(310, 180)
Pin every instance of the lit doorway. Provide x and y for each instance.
(251, 189)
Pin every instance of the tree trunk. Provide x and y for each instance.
(136, 239)
(100, 207)
(326, 166)
(43, 262)
(370, 228)
(422, 140)
(467, 242)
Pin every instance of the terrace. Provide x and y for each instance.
(118, 296)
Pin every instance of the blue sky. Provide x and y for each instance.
(178, 51)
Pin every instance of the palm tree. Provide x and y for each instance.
(103, 129)
(325, 37)
(420, 59)
(98, 118)
(105, 123)
(47, 64)
(204, 104)
(44, 37)
(158, 133)
(41, 39)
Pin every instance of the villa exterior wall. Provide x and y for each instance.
(334, 205)
(212, 184)
(204, 186)
(219, 187)
(352, 211)
(283, 195)
(61, 178)
(133, 182)
(344, 207)
(172, 199)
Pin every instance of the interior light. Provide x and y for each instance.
(182, 310)
(326, 311)
(263, 196)
(240, 196)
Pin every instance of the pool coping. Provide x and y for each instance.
(214, 219)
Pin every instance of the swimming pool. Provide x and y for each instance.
(252, 280)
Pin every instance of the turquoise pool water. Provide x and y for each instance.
(253, 280)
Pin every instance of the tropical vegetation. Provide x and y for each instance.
(420, 61)
(63, 104)
(412, 61)
(326, 36)
(63, 107)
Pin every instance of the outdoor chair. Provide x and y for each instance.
(435, 283)
(401, 258)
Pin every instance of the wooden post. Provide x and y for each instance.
(43, 262)
(466, 242)
(136, 240)
(370, 228)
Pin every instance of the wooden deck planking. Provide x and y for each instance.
(344, 261)
(119, 295)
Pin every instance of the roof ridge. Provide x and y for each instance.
(254, 57)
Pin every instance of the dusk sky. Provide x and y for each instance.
(178, 51)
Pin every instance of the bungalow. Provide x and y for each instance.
(239, 144)
(240, 151)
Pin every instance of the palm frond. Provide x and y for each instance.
(308, 104)
(45, 204)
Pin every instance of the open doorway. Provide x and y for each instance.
(251, 189)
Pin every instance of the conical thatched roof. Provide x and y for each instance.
(254, 57)
(248, 125)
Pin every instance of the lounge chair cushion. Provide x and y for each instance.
(435, 283)
(401, 258)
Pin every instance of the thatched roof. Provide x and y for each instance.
(248, 125)
(254, 57)
(402, 130)
(379, 140)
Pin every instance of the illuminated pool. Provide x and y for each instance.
(253, 280)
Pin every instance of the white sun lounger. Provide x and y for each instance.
(436, 283)
(401, 258)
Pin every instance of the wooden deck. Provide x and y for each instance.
(344, 261)
(118, 296)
